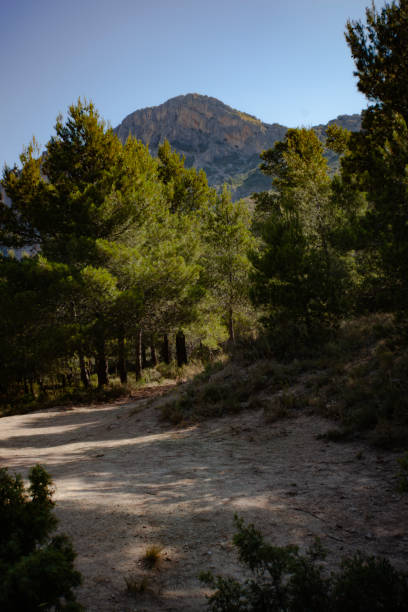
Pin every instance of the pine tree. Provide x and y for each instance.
(34, 333)
(188, 196)
(226, 266)
(298, 276)
(380, 52)
(186, 189)
(378, 156)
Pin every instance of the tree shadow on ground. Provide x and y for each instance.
(126, 483)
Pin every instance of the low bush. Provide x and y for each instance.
(36, 571)
(283, 580)
(136, 586)
(74, 395)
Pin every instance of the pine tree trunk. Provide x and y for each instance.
(138, 355)
(181, 350)
(83, 371)
(165, 350)
(144, 359)
(153, 352)
(101, 364)
(231, 329)
(122, 360)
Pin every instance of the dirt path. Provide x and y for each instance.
(125, 481)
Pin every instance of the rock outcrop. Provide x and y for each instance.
(223, 141)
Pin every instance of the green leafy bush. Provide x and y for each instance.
(36, 571)
(283, 580)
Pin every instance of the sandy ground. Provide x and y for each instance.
(125, 481)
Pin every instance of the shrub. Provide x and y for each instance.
(368, 583)
(135, 586)
(283, 580)
(210, 369)
(36, 571)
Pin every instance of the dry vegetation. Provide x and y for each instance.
(147, 486)
(358, 380)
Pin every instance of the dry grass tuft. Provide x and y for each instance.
(152, 556)
(136, 586)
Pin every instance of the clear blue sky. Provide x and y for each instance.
(284, 61)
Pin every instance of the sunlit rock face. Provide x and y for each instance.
(223, 141)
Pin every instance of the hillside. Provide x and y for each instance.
(223, 141)
(126, 481)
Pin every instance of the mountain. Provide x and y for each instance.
(223, 141)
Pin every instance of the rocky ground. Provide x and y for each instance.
(125, 480)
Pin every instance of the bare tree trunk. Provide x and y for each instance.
(122, 359)
(181, 350)
(165, 350)
(101, 364)
(153, 352)
(231, 329)
(84, 372)
(144, 359)
(138, 356)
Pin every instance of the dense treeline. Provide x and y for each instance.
(123, 251)
(127, 255)
(336, 247)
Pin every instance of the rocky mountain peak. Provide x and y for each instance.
(211, 135)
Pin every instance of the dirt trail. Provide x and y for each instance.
(125, 481)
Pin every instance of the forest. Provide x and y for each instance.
(116, 264)
(114, 260)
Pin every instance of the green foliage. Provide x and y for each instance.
(33, 338)
(123, 247)
(87, 187)
(225, 262)
(120, 241)
(186, 189)
(380, 52)
(358, 378)
(224, 388)
(337, 139)
(66, 211)
(300, 276)
(333, 247)
(377, 159)
(368, 583)
(283, 580)
(36, 571)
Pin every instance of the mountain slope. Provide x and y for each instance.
(223, 141)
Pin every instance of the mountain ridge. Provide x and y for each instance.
(224, 141)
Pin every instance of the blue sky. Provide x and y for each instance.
(285, 61)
